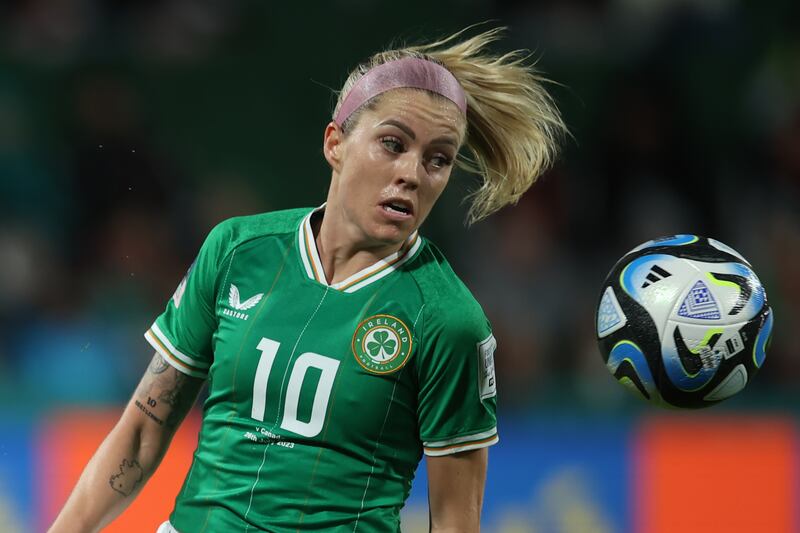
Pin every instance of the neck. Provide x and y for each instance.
(342, 246)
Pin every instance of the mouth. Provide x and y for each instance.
(398, 207)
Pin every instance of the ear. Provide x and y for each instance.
(332, 145)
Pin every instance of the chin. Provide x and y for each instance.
(390, 234)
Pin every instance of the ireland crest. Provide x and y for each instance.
(382, 344)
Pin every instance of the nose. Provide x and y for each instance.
(410, 170)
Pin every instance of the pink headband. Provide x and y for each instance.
(405, 72)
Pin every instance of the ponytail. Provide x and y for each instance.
(513, 125)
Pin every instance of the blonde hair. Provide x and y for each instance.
(513, 125)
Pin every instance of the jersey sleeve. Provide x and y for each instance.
(457, 400)
(183, 333)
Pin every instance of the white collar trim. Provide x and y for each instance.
(362, 278)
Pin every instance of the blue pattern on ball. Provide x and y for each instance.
(759, 295)
(628, 350)
(760, 348)
(673, 240)
(679, 376)
(635, 273)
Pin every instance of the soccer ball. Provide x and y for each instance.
(683, 321)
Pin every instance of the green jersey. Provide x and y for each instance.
(322, 397)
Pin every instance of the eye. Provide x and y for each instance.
(393, 144)
(441, 161)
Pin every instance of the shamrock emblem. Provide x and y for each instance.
(381, 347)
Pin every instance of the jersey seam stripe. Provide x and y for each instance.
(459, 440)
(208, 499)
(383, 270)
(283, 383)
(166, 342)
(291, 356)
(436, 452)
(330, 412)
(375, 450)
(234, 247)
(252, 491)
(185, 488)
(225, 280)
(239, 355)
(414, 327)
(232, 253)
(319, 454)
(260, 307)
(372, 470)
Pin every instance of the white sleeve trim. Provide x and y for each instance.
(177, 353)
(461, 444)
(170, 358)
(459, 440)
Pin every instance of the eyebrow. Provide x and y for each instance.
(408, 131)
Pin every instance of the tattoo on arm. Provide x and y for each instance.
(148, 412)
(163, 384)
(158, 365)
(177, 399)
(171, 396)
(129, 476)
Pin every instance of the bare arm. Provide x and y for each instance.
(132, 450)
(455, 489)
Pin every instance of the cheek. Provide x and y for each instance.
(364, 164)
(439, 181)
(435, 188)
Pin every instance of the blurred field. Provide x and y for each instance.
(128, 129)
(658, 474)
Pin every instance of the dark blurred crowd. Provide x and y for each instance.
(129, 128)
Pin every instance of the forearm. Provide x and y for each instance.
(131, 452)
(112, 479)
(465, 523)
(455, 491)
(462, 516)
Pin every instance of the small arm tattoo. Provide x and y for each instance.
(148, 412)
(129, 476)
(177, 399)
(165, 394)
(171, 396)
(158, 365)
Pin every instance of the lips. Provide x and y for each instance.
(400, 206)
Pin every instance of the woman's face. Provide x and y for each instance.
(393, 165)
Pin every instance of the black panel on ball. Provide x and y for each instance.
(639, 328)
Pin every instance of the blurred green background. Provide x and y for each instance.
(129, 128)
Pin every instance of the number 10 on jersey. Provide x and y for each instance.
(326, 365)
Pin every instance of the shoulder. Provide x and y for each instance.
(449, 304)
(234, 231)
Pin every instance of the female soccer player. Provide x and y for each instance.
(338, 343)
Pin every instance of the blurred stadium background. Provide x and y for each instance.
(128, 128)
